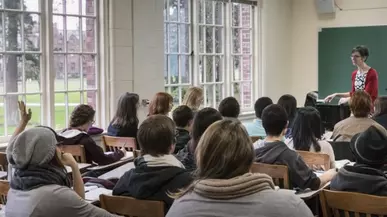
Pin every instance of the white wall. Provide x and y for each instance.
(306, 23)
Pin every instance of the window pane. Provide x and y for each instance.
(72, 33)
(2, 85)
(13, 31)
(184, 69)
(173, 63)
(209, 12)
(2, 116)
(1, 32)
(72, 7)
(246, 41)
(246, 15)
(13, 73)
(202, 39)
(73, 72)
(209, 64)
(218, 94)
(201, 69)
(209, 93)
(74, 99)
(59, 68)
(57, 6)
(90, 98)
(236, 91)
(219, 39)
(246, 65)
(31, 32)
(32, 72)
(166, 69)
(218, 13)
(209, 39)
(173, 10)
(183, 91)
(236, 14)
(12, 112)
(89, 74)
(184, 11)
(247, 94)
(88, 7)
(184, 38)
(31, 5)
(35, 104)
(236, 68)
(201, 7)
(60, 111)
(236, 41)
(58, 33)
(219, 68)
(88, 34)
(175, 95)
(173, 38)
(13, 4)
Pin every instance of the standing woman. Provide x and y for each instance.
(193, 98)
(161, 104)
(364, 77)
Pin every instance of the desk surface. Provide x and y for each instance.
(128, 157)
(80, 166)
(118, 172)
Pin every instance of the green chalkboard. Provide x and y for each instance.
(334, 52)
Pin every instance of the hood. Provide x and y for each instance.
(144, 182)
(71, 136)
(360, 178)
(270, 151)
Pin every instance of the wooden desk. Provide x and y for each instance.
(128, 157)
(118, 172)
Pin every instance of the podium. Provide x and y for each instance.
(331, 114)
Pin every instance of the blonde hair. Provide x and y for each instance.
(193, 97)
(224, 151)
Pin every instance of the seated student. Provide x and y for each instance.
(306, 134)
(157, 172)
(289, 103)
(275, 151)
(182, 116)
(125, 121)
(40, 186)
(224, 185)
(360, 105)
(255, 128)
(162, 103)
(366, 176)
(229, 107)
(203, 119)
(380, 115)
(81, 119)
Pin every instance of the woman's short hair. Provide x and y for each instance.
(193, 98)
(362, 50)
(126, 113)
(82, 114)
(380, 106)
(360, 104)
(160, 103)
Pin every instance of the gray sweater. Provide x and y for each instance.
(49, 201)
(267, 203)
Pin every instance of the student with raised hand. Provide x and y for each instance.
(229, 107)
(182, 116)
(40, 186)
(125, 121)
(81, 120)
(157, 171)
(366, 175)
(223, 184)
(307, 132)
(202, 120)
(255, 128)
(275, 151)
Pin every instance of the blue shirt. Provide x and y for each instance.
(255, 128)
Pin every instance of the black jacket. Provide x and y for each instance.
(182, 139)
(152, 183)
(126, 131)
(187, 158)
(362, 179)
(382, 120)
(300, 174)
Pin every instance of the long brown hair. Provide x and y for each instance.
(160, 104)
(360, 104)
(126, 113)
(224, 151)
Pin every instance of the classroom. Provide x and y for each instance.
(185, 108)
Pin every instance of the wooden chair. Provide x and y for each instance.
(78, 151)
(4, 188)
(3, 161)
(129, 206)
(334, 203)
(113, 143)
(316, 159)
(277, 172)
(256, 138)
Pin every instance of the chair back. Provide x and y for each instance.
(279, 173)
(78, 151)
(256, 138)
(131, 207)
(341, 203)
(342, 151)
(4, 188)
(313, 159)
(113, 143)
(3, 161)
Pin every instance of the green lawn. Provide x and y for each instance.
(33, 102)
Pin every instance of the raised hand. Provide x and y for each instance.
(24, 115)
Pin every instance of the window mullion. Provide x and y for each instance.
(195, 42)
(228, 71)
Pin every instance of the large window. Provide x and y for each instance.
(28, 45)
(217, 52)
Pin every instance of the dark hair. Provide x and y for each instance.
(82, 114)
(261, 104)
(229, 107)
(380, 106)
(274, 120)
(363, 51)
(182, 115)
(126, 113)
(156, 135)
(202, 120)
(360, 104)
(160, 103)
(306, 129)
(289, 103)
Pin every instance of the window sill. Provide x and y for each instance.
(247, 116)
